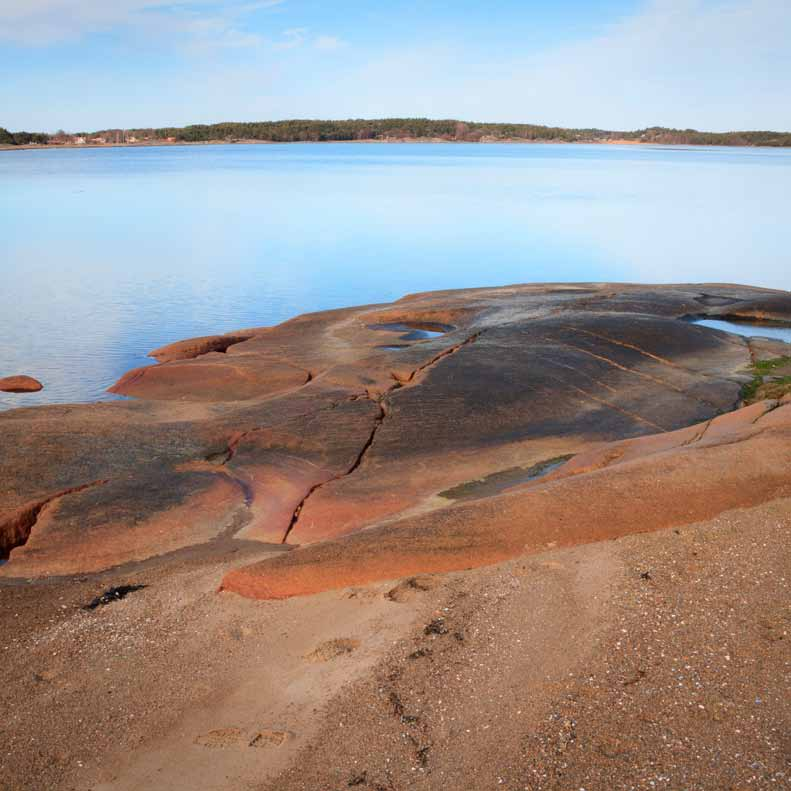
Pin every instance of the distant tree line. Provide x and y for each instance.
(384, 129)
(449, 129)
(664, 136)
(406, 129)
(22, 138)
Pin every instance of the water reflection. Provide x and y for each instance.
(414, 332)
(778, 333)
(107, 254)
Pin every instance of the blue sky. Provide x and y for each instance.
(618, 64)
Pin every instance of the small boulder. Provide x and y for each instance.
(20, 384)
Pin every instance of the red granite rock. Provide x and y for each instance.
(20, 384)
(645, 484)
(346, 434)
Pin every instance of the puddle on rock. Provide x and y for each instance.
(777, 331)
(414, 331)
(498, 482)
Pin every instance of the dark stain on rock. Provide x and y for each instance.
(112, 595)
(714, 301)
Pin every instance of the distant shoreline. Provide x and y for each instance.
(380, 141)
(390, 130)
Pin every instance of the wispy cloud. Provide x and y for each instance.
(716, 64)
(329, 43)
(712, 64)
(300, 36)
(292, 38)
(44, 22)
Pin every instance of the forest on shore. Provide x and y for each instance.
(392, 129)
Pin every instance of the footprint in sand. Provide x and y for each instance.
(363, 594)
(270, 738)
(221, 737)
(411, 587)
(332, 649)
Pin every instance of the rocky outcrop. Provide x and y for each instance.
(649, 483)
(195, 347)
(341, 434)
(20, 384)
(768, 308)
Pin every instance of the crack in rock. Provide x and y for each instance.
(15, 530)
(381, 403)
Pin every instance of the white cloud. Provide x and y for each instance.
(329, 43)
(298, 36)
(678, 62)
(292, 38)
(715, 64)
(711, 64)
(42, 22)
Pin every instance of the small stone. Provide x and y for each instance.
(20, 384)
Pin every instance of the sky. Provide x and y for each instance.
(82, 65)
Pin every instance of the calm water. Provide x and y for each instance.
(779, 333)
(106, 254)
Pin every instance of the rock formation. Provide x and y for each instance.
(347, 437)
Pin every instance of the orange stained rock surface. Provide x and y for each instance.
(389, 439)
(656, 482)
(20, 384)
(195, 347)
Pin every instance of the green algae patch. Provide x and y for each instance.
(750, 389)
(776, 364)
(771, 379)
(777, 388)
